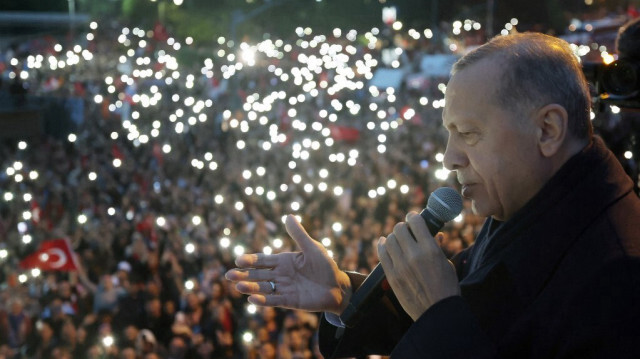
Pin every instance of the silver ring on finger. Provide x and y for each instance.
(273, 286)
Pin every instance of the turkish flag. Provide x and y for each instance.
(53, 255)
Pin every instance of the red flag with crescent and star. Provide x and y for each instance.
(53, 255)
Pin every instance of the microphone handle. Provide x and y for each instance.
(376, 284)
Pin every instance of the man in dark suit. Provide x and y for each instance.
(555, 271)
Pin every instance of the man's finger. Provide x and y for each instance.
(250, 275)
(383, 255)
(405, 241)
(299, 234)
(421, 231)
(272, 300)
(254, 287)
(257, 260)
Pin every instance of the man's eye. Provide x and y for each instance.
(468, 136)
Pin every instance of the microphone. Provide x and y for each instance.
(444, 204)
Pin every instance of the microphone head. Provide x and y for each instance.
(445, 204)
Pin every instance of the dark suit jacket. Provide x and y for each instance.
(561, 279)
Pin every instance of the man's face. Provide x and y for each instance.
(493, 151)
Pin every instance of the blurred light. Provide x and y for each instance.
(189, 285)
(225, 242)
(190, 248)
(35, 272)
(238, 250)
(26, 239)
(111, 211)
(72, 137)
(277, 243)
(442, 174)
(22, 145)
(82, 219)
(247, 337)
(8, 196)
(3, 253)
(267, 250)
(628, 155)
(107, 341)
(252, 309)
(326, 242)
(336, 226)
(404, 189)
(196, 220)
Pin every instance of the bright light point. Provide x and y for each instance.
(35, 272)
(442, 174)
(3, 253)
(190, 248)
(392, 184)
(628, 155)
(166, 148)
(111, 211)
(8, 196)
(326, 242)
(247, 337)
(404, 189)
(107, 341)
(72, 137)
(337, 227)
(252, 309)
(246, 174)
(22, 278)
(615, 109)
(238, 250)
(337, 190)
(22, 145)
(459, 218)
(218, 199)
(239, 206)
(189, 285)
(82, 219)
(26, 215)
(27, 197)
(26, 239)
(33, 175)
(92, 176)
(196, 220)
(277, 243)
(117, 163)
(267, 250)
(225, 242)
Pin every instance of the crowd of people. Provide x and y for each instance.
(156, 223)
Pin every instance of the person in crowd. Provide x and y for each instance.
(555, 270)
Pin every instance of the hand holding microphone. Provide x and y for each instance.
(417, 270)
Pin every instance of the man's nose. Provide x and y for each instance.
(454, 157)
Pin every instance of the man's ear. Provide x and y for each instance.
(553, 126)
